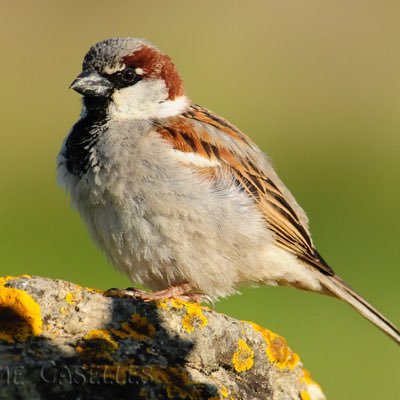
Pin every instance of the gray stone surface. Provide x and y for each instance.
(60, 340)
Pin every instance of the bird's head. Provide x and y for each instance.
(132, 78)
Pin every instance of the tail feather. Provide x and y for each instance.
(340, 289)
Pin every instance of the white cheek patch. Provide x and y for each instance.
(195, 159)
(146, 99)
(169, 108)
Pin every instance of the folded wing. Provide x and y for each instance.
(208, 142)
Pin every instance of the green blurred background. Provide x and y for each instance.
(314, 83)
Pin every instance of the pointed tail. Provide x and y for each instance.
(340, 289)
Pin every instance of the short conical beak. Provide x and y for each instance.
(91, 83)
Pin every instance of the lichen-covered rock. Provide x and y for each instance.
(60, 340)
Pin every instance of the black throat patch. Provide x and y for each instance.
(84, 136)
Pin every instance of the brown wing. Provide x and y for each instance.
(201, 132)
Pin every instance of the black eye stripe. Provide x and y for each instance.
(124, 78)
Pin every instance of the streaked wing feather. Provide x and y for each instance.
(191, 132)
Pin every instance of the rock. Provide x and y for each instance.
(60, 340)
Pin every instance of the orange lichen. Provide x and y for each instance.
(20, 315)
(243, 358)
(138, 328)
(276, 349)
(97, 344)
(70, 298)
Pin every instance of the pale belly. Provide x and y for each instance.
(162, 225)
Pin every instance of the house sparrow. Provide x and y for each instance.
(178, 198)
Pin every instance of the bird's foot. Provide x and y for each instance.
(185, 292)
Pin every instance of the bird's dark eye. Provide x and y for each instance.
(124, 78)
(128, 75)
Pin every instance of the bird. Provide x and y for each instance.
(178, 198)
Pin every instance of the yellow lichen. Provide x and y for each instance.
(63, 311)
(305, 395)
(97, 344)
(276, 349)
(100, 334)
(313, 390)
(5, 279)
(92, 290)
(139, 328)
(20, 315)
(167, 304)
(305, 377)
(194, 318)
(70, 298)
(243, 358)
(224, 392)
